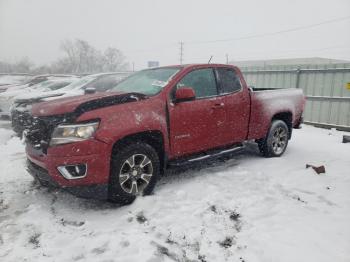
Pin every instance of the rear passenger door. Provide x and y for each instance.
(237, 104)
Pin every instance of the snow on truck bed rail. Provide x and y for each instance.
(246, 208)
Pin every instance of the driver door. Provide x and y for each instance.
(197, 125)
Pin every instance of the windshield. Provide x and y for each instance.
(80, 83)
(148, 82)
(42, 85)
(105, 82)
(59, 84)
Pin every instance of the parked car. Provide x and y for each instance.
(7, 98)
(115, 145)
(12, 79)
(20, 111)
(32, 80)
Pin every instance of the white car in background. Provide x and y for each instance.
(20, 110)
(28, 81)
(90, 83)
(14, 79)
(8, 97)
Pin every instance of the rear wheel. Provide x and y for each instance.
(276, 141)
(134, 172)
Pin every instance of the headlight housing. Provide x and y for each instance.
(64, 133)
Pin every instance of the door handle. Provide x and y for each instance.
(218, 105)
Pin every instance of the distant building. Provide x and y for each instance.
(288, 61)
(152, 64)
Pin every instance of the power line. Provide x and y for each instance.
(272, 33)
(169, 45)
(288, 51)
(240, 38)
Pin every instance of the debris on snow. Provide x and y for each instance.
(228, 242)
(100, 250)
(296, 197)
(213, 208)
(141, 218)
(65, 222)
(34, 240)
(235, 216)
(164, 251)
(3, 206)
(318, 169)
(346, 139)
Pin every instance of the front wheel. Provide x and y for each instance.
(276, 141)
(134, 171)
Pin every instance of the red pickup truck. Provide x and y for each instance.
(115, 145)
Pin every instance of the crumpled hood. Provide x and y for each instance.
(83, 103)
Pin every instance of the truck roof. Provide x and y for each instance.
(197, 65)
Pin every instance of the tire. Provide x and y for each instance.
(276, 140)
(135, 170)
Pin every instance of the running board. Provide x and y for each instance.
(205, 156)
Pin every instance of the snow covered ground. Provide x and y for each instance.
(246, 208)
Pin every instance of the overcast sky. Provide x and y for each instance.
(151, 30)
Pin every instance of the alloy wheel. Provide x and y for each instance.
(135, 174)
(279, 140)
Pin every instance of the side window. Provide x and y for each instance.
(202, 81)
(229, 80)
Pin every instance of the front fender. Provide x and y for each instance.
(122, 120)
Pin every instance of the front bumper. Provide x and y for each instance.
(43, 167)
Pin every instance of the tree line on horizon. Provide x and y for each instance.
(79, 57)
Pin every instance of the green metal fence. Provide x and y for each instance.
(325, 86)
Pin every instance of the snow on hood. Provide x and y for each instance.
(10, 88)
(36, 96)
(10, 94)
(46, 96)
(68, 104)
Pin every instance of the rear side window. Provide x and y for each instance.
(202, 81)
(229, 80)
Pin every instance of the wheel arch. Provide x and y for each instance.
(154, 138)
(286, 117)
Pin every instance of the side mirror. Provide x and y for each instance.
(90, 90)
(184, 94)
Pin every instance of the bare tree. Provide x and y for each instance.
(79, 58)
(114, 60)
(22, 66)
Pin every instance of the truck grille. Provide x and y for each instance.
(21, 120)
(38, 133)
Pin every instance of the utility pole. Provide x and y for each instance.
(227, 59)
(133, 66)
(181, 52)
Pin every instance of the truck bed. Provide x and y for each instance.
(267, 102)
